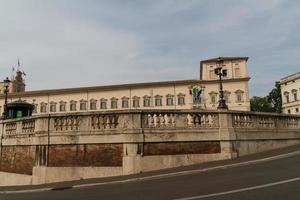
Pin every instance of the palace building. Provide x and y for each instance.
(178, 94)
(290, 92)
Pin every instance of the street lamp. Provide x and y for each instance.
(221, 73)
(6, 85)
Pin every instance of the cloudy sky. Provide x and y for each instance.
(73, 43)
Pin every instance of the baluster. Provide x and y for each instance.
(190, 120)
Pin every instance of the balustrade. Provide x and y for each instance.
(264, 121)
(28, 126)
(153, 120)
(11, 128)
(161, 120)
(167, 120)
(202, 120)
(66, 123)
(104, 121)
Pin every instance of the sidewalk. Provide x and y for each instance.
(154, 174)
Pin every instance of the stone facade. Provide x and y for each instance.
(290, 91)
(154, 95)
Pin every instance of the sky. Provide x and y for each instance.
(77, 43)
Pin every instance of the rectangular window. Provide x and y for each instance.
(114, 104)
(295, 97)
(82, 105)
(73, 107)
(146, 102)
(125, 103)
(239, 97)
(53, 108)
(62, 107)
(103, 105)
(158, 102)
(181, 101)
(43, 108)
(213, 99)
(93, 105)
(169, 101)
(136, 103)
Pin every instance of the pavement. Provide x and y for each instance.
(250, 174)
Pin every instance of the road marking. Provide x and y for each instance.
(172, 174)
(241, 190)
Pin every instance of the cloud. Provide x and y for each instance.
(71, 43)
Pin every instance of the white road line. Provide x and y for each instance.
(241, 190)
(172, 174)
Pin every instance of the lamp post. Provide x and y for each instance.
(221, 73)
(6, 85)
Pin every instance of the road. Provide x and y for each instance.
(262, 180)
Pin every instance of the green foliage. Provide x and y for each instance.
(271, 103)
(260, 104)
(275, 98)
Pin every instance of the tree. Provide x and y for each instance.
(275, 98)
(271, 103)
(260, 104)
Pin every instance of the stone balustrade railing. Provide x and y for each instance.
(271, 121)
(97, 122)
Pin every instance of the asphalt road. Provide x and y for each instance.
(194, 186)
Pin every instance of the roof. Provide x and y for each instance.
(290, 77)
(225, 59)
(20, 103)
(102, 88)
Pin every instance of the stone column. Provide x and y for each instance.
(227, 135)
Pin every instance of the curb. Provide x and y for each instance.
(172, 174)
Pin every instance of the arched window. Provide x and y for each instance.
(287, 97)
(294, 92)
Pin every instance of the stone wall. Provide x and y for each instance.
(64, 147)
(17, 159)
(179, 148)
(84, 155)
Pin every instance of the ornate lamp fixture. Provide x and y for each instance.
(221, 73)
